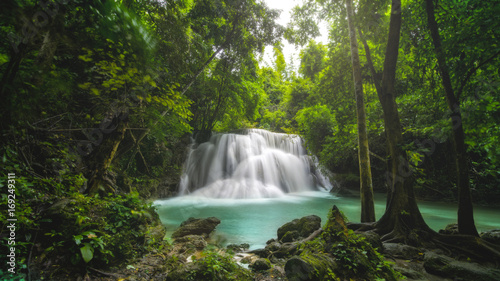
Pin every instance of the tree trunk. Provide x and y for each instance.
(366, 186)
(102, 155)
(465, 210)
(402, 217)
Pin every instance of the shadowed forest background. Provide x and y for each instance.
(100, 99)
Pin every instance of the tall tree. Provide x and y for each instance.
(366, 186)
(402, 220)
(465, 209)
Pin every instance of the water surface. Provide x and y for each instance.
(254, 221)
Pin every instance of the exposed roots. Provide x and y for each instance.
(454, 245)
(469, 246)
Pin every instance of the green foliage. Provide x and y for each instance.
(99, 230)
(353, 256)
(312, 60)
(316, 126)
(217, 266)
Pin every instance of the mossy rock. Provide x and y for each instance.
(303, 226)
(290, 236)
(338, 253)
(457, 270)
(261, 264)
(194, 226)
(310, 267)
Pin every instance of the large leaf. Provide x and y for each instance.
(87, 252)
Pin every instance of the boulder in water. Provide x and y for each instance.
(194, 226)
(299, 228)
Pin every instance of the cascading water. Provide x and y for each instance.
(252, 164)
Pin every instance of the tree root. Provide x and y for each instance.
(466, 245)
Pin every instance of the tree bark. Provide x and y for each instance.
(466, 223)
(366, 186)
(102, 155)
(402, 217)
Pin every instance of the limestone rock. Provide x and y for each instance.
(194, 226)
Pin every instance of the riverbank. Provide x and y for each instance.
(303, 249)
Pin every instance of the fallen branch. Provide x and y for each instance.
(107, 273)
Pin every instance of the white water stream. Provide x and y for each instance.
(251, 164)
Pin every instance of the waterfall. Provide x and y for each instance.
(253, 163)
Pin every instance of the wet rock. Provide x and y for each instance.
(261, 264)
(372, 238)
(410, 273)
(271, 241)
(264, 253)
(192, 241)
(492, 236)
(308, 268)
(290, 236)
(274, 246)
(299, 228)
(402, 251)
(238, 247)
(194, 226)
(285, 250)
(452, 228)
(457, 270)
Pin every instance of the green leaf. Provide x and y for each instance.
(78, 239)
(87, 252)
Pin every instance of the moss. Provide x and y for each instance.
(339, 253)
(211, 266)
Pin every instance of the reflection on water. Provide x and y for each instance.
(254, 221)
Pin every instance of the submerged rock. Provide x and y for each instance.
(194, 226)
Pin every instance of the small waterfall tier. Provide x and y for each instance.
(252, 163)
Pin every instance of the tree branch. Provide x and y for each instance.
(369, 61)
(472, 71)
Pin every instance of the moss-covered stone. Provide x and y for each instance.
(211, 266)
(303, 228)
(194, 226)
(449, 268)
(310, 266)
(290, 236)
(261, 264)
(338, 253)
